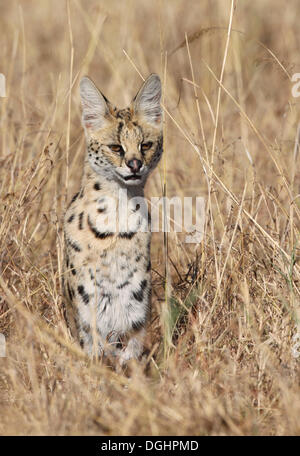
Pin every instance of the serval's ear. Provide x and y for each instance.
(147, 101)
(94, 105)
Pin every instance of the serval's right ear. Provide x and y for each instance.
(94, 105)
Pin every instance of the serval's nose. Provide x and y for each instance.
(134, 165)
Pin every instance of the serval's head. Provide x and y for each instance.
(123, 144)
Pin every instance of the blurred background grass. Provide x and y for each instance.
(224, 312)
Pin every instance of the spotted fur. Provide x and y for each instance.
(107, 271)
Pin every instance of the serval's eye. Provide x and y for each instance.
(116, 148)
(146, 146)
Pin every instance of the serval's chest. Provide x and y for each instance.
(108, 264)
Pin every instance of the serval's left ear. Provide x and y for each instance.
(147, 101)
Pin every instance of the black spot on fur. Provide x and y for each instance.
(126, 235)
(83, 294)
(80, 226)
(139, 295)
(106, 301)
(107, 295)
(124, 284)
(73, 270)
(97, 233)
(71, 218)
(139, 324)
(74, 198)
(131, 274)
(73, 245)
(101, 210)
(137, 208)
(85, 328)
(148, 266)
(97, 186)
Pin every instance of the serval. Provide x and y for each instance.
(107, 268)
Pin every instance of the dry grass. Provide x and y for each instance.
(220, 339)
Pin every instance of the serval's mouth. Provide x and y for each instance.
(133, 177)
(130, 178)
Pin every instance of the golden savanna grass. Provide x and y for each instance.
(220, 357)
